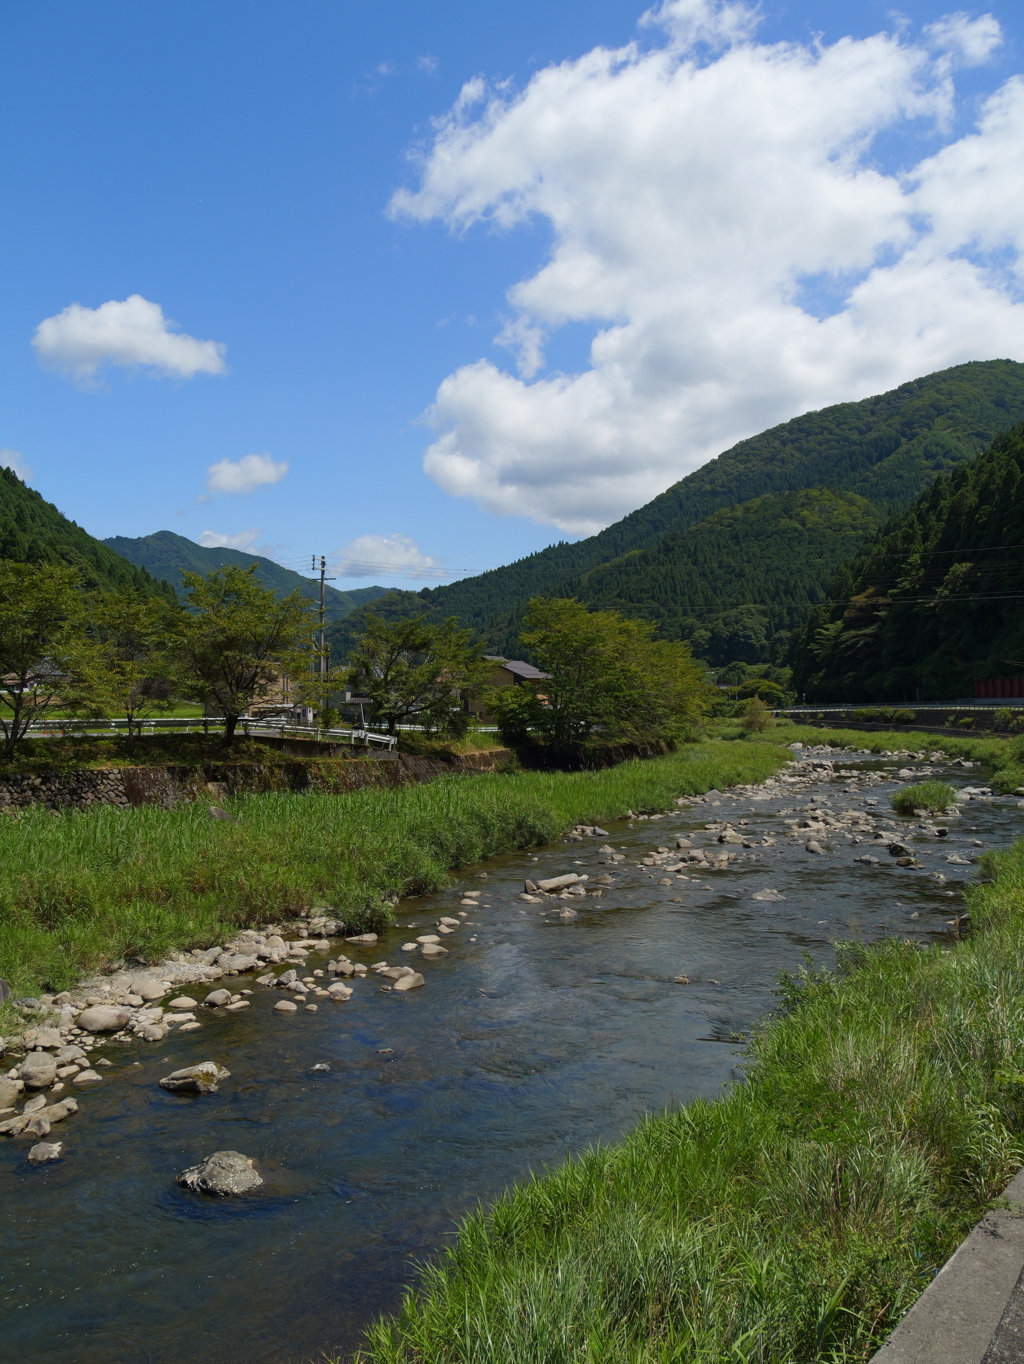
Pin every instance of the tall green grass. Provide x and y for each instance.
(795, 1219)
(933, 796)
(85, 888)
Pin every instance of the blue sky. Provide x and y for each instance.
(746, 230)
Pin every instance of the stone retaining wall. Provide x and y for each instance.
(171, 785)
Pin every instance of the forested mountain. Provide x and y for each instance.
(885, 450)
(33, 531)
(933, 600)
(167, 555)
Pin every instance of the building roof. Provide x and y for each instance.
(516, 665)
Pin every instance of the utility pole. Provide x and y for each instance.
(322, 656)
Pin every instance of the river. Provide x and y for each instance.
(533, 1038)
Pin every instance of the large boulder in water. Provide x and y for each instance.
(103, 1018)
(225, 1172)
(199, 1079)
(38, 1070)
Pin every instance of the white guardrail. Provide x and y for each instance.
(274, 726)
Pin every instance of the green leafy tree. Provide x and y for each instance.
(130, 631)
(46, 659)
(236, 641)
(607, 673)
(416, 672)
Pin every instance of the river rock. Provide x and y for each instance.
(339, 991)
(103, 1018)
(225, 1172)
(70, 1053)
(322, 945)
(39, 1101)
(11, 1127)
(530, 899)
(683, 843)
(770, 894)
(86, 1077)
(868, 860)
(150, 989)
(182, 1002)
(410, 982)
(560, 882)
(665, 881)
(217, 997)
(48, 1037)
(202, 1078)
(38, 1070)
(9, 1092)
(899, 850)
(813, 846)
(366, 939)
(154, 1032)
(45, 1151)
(434, 949)
(428, 938)
(59, 1111)
(237, 962)
(38, 1125)
(285, 1006)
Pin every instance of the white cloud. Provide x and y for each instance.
(970, 42)
(428, 63)
(14, 459)
(132, 332)
(719, 219)
(245, 474)
(244, 540)
(391, 556)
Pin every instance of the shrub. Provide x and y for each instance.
(966, 721)
(933, 796)
(1002, 718)
(756, 716)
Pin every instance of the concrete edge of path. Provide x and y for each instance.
(972, 1312)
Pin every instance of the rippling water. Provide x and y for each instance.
(534, 1041)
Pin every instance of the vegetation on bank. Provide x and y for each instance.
(795, 1219)
(87, 888)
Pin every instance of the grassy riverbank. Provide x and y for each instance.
(85, 888)
(797, 1218)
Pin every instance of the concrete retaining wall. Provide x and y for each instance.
(171, 785)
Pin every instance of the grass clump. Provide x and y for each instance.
(933, 796)
(795, 1219)
(86, 888)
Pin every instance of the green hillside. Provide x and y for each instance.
(33, 531)
(884, 449)
(738, 582)
(933, 600)
(167, 555)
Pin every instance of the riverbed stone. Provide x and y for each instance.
(150, 989)
(48, 1037)
(339, 991)
(190, 1026)
(217, 997)
(223, 1173)
(154, 1032)
(560, 882)
(202, 1078)
(364, 939)
(182, 1002)
(9, 1092)
(434, 949)
(38, 1070)
(45, 1151)
(87, 1077)
(103, 1018)
(410, 982)
(285, 1006)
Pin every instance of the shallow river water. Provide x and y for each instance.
(532, 1039)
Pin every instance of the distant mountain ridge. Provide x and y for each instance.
(33, 531)
(167, 555)
(669, 561)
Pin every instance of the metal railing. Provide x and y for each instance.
(272, 726)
